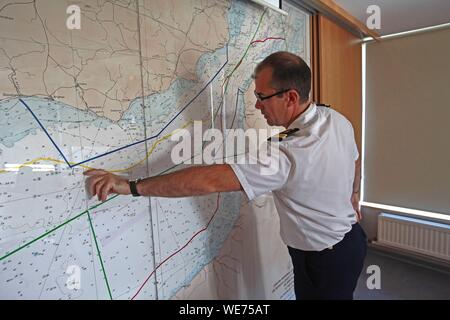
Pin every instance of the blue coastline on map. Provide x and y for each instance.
(236, 18)
(17, 121)
(158, 107)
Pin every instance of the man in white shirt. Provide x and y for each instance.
(315, 188)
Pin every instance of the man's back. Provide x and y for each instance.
(314, 204)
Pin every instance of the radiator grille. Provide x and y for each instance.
(416, 235)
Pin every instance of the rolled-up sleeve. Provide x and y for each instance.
(260, 175)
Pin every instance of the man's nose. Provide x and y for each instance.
(258, 105)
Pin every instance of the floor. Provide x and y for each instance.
(401, 279)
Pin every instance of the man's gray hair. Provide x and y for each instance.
(289, 71)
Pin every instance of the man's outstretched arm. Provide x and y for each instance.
(193, 181)
(357, 189)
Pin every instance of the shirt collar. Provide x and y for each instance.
(306, 117)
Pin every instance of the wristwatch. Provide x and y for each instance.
(133, 187)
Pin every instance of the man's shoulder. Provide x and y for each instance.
(336, 116)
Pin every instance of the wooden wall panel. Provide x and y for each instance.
(340, 72)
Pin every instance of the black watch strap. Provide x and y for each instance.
(133, 187)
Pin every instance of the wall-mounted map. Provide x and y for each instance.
(110, 95)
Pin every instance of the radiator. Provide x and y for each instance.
(420, 236)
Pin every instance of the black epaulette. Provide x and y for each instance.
(283, 135)
(323, 105)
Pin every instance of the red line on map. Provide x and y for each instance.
(268, 38)
(184, 246)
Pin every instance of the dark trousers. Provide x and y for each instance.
(330, 273)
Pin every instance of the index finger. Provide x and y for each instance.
(94, 172)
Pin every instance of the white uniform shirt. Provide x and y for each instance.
(314, 183)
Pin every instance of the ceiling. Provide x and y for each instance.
(401, 15)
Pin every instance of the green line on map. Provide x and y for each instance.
(99, 254)
(54, 229)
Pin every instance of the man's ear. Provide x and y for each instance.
(293, 97)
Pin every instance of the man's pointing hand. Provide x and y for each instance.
(103, 183)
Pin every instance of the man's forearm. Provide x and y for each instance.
(357, 179)
(193, 181)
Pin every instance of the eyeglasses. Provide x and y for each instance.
(260, 97)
